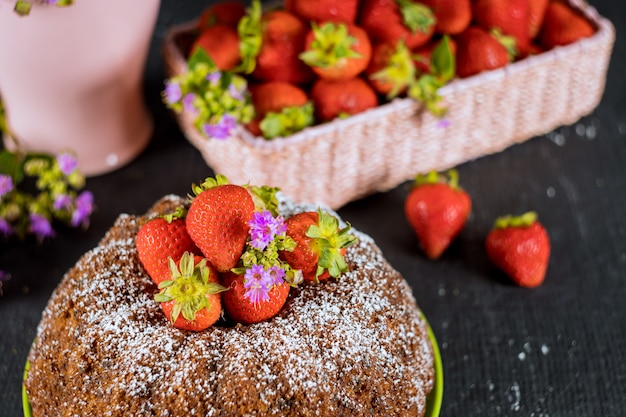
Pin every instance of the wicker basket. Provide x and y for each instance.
(341, 161)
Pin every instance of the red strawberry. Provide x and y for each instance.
(394, 20)
(536, 12)
(282, 39)
(281, 109)
(452, 16)
(391, 69)
(191, 298)
(226, 12)
(244, 305)
(563, 25)
(511, 17)
(221, 43)
(478, 51)
(336, 51)
(325, 10)
(217, 221)
(160, 239)
(320, 245)
(333, 99)
(520, 247)
(437, 209)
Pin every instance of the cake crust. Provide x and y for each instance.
(356, 346)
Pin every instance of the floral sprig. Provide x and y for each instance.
(38, 190)
(218, 99)
(260, 263)
(23, 7)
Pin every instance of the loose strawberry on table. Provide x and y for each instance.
(520, 246)
(437, 210)
(191, 298)
(336, 51)
(162, 238)
(394, 20)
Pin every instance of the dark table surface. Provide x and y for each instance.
(557, 350)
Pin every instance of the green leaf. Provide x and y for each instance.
(200, 56)
(443, 61)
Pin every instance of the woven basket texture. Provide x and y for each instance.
(375, 151)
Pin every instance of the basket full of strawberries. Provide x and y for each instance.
(333, 100)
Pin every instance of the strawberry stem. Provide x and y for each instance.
(450, 177)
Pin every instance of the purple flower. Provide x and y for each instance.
(444, 123)
(214, 77)
(257, 284)
(276, 275)
(5, 227)
(6, 184)
(40, 226)
(61, 202)
(84, 208)
(67, 163)
(188, 103)
(172, 92)
(263, 228)
(222, 130)
(235, 93)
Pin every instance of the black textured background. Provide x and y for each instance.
(557, 350)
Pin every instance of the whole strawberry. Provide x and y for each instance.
(451, 16)
(332, 99)
(320, 245)
(221, 43)
(162, 238)
(227, 12)
(337, 51)
(217, 221)
(191, 298)
(479, 50)
(520, 247)
(511, 17)
(255, 296)
(437, 209)
(563, 25)
(324, 10)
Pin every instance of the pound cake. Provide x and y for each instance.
(352, 346)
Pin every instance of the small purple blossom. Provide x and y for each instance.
(40, 226)
(62, 201)
(188, 103)
(6, 184)
(214, 77)
(276, 275)
(257, 284)
(84, 208)
(222, 130)
(235, 93)
(444, 123)
(173, 92)
(5, 227)
(263, 228)
(67, 163)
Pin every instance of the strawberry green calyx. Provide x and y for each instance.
(209, 183)
(416, 16)
(525, 220)
(288, 121)
(450, 177)
(188, 287)
(509, 43)
(400, 71)
(179, 213)
(331, 44)
(250, 32)
(328, 241)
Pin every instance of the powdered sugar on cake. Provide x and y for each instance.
(343, 347)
